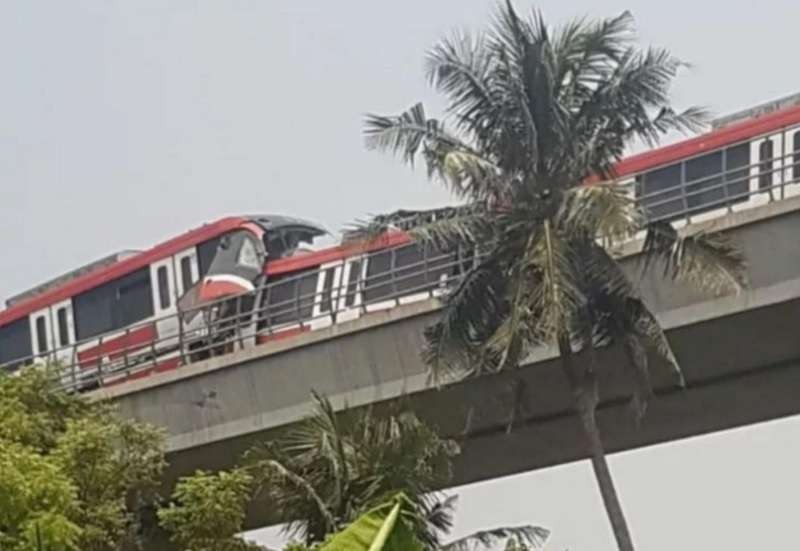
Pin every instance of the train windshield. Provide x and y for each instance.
(239, 253)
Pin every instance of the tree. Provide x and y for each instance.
(208, 511)
(74, 474)
(329, 478)
(533, 114)
(332, 467)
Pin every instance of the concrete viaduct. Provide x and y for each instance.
(740, 354)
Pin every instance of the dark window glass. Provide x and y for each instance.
(377, 283)
(352, 283)
(113, 305)
(41, 334)
(186, 273)
(660, 192)
(94, 310)
(326, 301)
(765, 153)
(63, 329)
(205, 254)
(737, 163)
(135, 301)
(15, 341)
(441, 263)
(289, 299)
(409, 264)
(163, 287)
(704, 189)
(796, 157)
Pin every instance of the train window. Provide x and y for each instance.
(290, 299)
(737, 162)
(441, 263)
(15, 341)
(248, 255)
(410, 268)
(205, 255)
(352, 283)
(377, 283)
(135, 301)
(703, 182)
(163, 287)
(796, 157)
(186, 273)
(327, 286)
(63, 329)
(113, 305)
(41, 334)
(660, 191)
(765, 152)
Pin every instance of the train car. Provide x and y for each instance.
(252, 279)
(248, 280)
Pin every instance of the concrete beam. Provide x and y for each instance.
(739, 356)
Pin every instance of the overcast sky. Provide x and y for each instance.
(125, 123)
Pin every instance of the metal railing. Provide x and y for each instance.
(236, 323)
(231, 324)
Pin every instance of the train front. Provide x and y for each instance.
(239, 267)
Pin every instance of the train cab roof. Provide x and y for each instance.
(280, 222)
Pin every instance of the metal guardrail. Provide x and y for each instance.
(225, 332)
(232, 324)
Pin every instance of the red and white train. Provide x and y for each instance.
(263, 275)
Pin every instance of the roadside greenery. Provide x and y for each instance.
(74, 475)
(334, 481)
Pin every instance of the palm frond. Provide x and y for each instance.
(444, 228)
(557, 295)
(406, 134)
(708, 261)
(472, 311)
(602, 210)
(270, 466)
(533, 536)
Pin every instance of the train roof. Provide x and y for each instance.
(710, 141)
(704, 143)
(119, 269)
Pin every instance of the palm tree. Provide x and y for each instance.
(332, 468)
(532, 115)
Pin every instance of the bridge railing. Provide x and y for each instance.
(237, 323)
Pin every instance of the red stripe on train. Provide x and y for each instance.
(118, 346)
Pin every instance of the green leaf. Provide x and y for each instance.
(381, 529)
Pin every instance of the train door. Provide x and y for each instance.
(765, 170)
(64, 332)
(791, 163)
(162, 276)
(349, 296)
(327, 295)
(42, 334)
(187, 271)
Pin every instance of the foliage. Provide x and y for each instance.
(383, 528)
(331, 468)
(334, 479)
(208, 511)
(37, 500)
(74, 474)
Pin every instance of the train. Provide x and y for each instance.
(248, 280)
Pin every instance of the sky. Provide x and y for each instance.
(123, 123)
